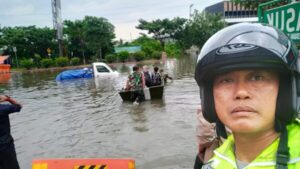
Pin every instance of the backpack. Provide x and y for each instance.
(156, 79)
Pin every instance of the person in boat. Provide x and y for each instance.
(136, 83)
(165, 76)
(156, 77)
(248, 75)
(8, 157)
(147, 75)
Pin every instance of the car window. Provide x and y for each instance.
(102, 69)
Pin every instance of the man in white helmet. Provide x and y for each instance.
(248, 76)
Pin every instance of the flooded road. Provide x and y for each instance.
(86, 118)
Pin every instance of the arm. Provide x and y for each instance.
(206, 135)
(143, 81)
(127, 85)
(169, 77)
(13, 107)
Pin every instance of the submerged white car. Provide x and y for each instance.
(101, 69)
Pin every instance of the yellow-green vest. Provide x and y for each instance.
(224, 157)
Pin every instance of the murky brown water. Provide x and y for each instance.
(86, 118)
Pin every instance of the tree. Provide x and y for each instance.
(90, 36)
(163, 29)
(27, 40)
(38, 40)
(76, 37)
(99, 35)
(149, 45)
(199, 29)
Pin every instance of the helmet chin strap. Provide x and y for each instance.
(282, 156)
(220, 128)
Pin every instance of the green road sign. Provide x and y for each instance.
(286, 18)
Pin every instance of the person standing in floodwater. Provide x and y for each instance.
(8, 157)
(147, 75)
(136, 83)
(164, 76)
(156, 78)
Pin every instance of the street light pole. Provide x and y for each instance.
(15, 51)
(190, 14)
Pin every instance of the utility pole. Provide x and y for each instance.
(100, 53)
(15, 51)
(190, 14)
(57, 24)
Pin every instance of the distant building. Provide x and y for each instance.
(233, 13)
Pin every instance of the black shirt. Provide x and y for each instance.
(5, 110)
(148, 79)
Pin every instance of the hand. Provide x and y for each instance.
(3, 98)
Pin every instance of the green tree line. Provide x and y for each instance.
(92, 39)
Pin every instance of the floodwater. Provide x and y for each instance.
(86, 118)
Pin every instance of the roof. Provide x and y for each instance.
(238, 20)
(130, 49)
(3, 58)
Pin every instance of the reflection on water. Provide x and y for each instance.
(86, 118)
(4, 78)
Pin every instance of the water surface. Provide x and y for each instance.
(86, 118)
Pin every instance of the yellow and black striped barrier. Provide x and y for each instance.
(91, 167)
(84, 163)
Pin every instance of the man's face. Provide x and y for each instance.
(245, 101)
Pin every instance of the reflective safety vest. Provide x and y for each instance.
(224, 156)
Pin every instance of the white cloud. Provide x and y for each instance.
(126, 31)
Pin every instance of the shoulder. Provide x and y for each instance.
(294, 131)
(294, 139)
(227, 146)
(140, 74)
(157, 74)
(224, 155)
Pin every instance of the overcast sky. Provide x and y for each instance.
(123, 14)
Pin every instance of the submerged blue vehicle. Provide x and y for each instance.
(75, 74)
(98, 70)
